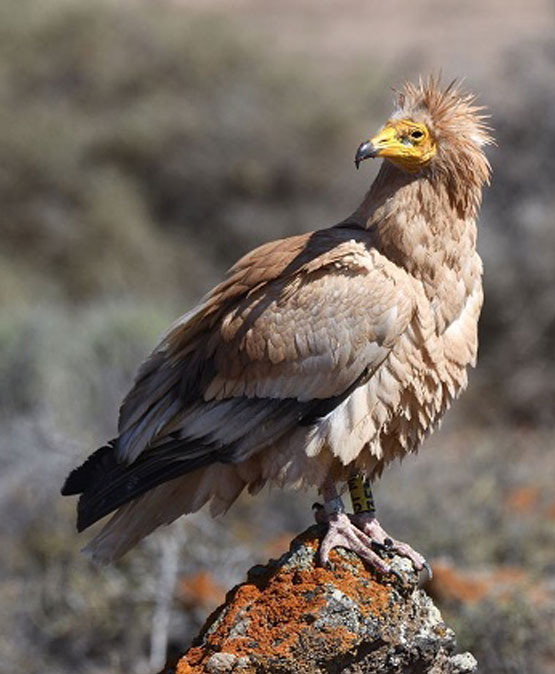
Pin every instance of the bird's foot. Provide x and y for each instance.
(342, 532)
(371, 527)
(363, 534)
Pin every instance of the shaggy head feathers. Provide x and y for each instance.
(459, 127)
(450, 113)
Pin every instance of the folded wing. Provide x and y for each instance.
(294, 329)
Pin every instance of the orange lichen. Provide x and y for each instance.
(183, 667)
(271, 615)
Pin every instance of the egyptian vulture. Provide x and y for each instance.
(321, 357)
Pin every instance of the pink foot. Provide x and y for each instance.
(363, 534)
(343, 533)
(367, 523)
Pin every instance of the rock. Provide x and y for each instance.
(221, 662)
(292, 616)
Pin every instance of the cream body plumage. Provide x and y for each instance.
(321, 355)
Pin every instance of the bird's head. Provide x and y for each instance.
(406, 143)
(435, 127)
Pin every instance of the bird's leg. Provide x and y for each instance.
(361, 532)
(343, 532)
(365, 519)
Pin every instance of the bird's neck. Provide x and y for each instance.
(421, 224)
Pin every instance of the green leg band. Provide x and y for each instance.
(361, 495)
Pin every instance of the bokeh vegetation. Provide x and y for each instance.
(146, 148)
(143, 148)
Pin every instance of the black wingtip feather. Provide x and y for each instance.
(98, 465)
(105, 484)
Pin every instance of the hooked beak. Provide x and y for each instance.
(384, 144)
(365, 150)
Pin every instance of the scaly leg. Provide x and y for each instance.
(361, 532)
(342, 532)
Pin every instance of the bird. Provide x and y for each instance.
(321, 357)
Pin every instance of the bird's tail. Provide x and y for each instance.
(106, 484)
(217, 483)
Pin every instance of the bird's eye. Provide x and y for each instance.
(416, 134)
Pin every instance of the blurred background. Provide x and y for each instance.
(144, 146)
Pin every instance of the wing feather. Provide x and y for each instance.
(297, 319)
(252, 363)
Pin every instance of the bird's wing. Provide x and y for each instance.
(300, 320)
(297, 326)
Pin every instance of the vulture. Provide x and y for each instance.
(321, 357)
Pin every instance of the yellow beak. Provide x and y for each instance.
(384, 144)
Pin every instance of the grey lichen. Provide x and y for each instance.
(294, 617)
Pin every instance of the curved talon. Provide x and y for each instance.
(428, 569)
(369, 524)
(397, 575)
(364, 536)
(319, 513)
(379, 547)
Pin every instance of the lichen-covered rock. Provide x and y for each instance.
(292, 616)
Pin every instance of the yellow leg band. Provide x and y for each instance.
(361, 494)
